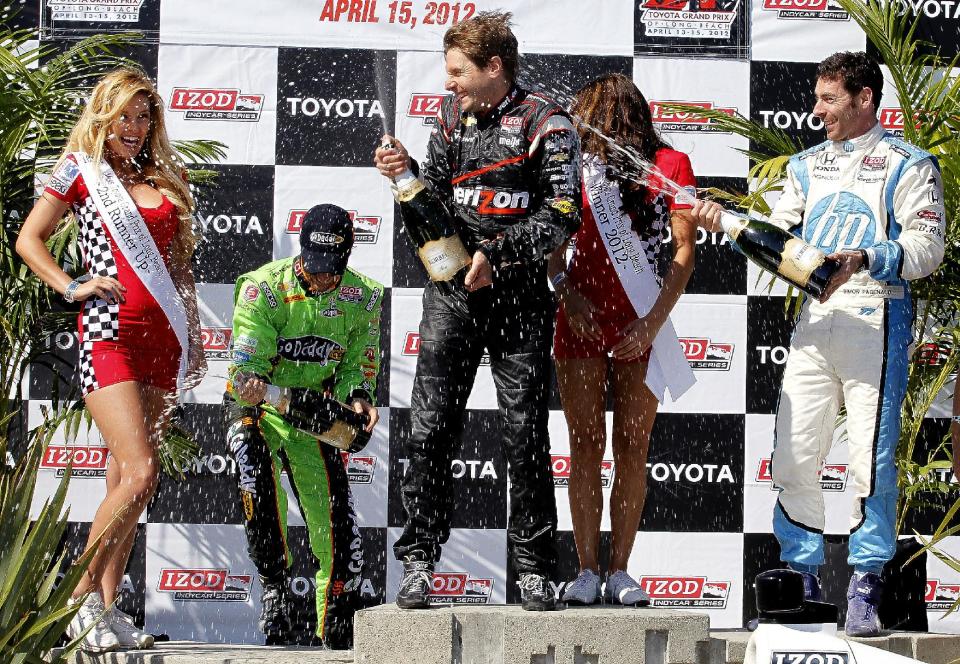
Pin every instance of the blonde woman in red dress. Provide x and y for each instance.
(138, 326)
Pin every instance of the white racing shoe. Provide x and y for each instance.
(99, 639)
(584, 590)
(128, 634)
(620, 588)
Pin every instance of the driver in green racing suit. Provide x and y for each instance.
(310, 322)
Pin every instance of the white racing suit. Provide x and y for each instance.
(883, 195)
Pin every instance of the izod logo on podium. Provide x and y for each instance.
(204, 585)
(706, 355)
(686, 592)
(668, 119)
(560, 465)
(88, 461)
(459, 588)
(216, 342)
(941, 596)
(366, 228)
(821, 10)
(833, 476)
(425, 106)
(216, 104)
(809, 657)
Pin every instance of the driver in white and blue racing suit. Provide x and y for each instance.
(874, 203)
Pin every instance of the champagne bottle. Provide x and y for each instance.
(777, 251)
(430, 228)
(318, 415)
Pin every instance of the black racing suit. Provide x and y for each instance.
(511, 182)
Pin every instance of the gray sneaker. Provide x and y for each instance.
(584, 590)
(620, 588)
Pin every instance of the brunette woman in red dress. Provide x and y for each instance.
(598, 331)
(138, 328)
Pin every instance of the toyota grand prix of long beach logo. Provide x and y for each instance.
(689, 19)
(823, 10)
(216, 342)
(216, 104)
(124, 11)
(686, 592)
(668, 119)
(941, 596)
(411, 346)
(204, 585)
(360, 468)
(560, 465)
(833, 476)
(706, 355)
(459, 588)
(425, 106)
(87, 460)
(366, 228)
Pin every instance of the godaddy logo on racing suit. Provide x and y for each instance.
(310, 349)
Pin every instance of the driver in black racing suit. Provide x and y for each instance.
(505, 162)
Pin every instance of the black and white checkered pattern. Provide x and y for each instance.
(100, 318)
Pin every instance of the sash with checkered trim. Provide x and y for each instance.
(122, 218)
(668, 368)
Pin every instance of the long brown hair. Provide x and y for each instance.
(161, 164)
(612, 109)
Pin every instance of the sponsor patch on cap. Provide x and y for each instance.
(327, 239)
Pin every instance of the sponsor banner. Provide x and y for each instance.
(54, 370)
(560, 466)
(943, 589)
(405, 347)
(559, 76)
(673, 570)
(937, 25)
(89, 456)
(666, 80)
(674, 27)
(769, 325)
(335, 118)
(760, 494)
(81, 18)
(471, 571)
(236, 221)
(416, 25)
(221, 93)
(477, 472)
(216, 326)
(802, 30)
(928, 447)
(695, 460)
(419, 91)
(781, 96)
(713, 332)
(363, 192)
(200, 583)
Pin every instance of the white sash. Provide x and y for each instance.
(668, 367)
(128, 229)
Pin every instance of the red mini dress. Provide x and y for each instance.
(130, 340)
(594, 277)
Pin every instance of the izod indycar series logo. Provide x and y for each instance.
(941, 596)
(411, 346)
(120, 11)
(824, 10)
(686, 592)
(668, 119)
(216, 342)
(891, 119)
(459, 588)
(689, 19)
(360, 468)
(833, 476)
(560, 464)
(216, 104)
(87, 460)
(809, 657)
(705, 355)
(204, 585)
(366, 228)
(425, 106)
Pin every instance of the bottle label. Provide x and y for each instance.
(339, 435)
(799, 260)
(732, 224)
(406, 189)
(443, 258)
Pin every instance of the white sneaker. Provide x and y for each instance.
(100, 638)
(620, 588)
(584, 590)
(128, 634)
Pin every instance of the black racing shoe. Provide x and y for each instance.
(415, 586)
(536, 593)
(275, 614)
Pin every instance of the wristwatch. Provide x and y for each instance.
(864, 260)
(72, 287)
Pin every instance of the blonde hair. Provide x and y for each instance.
(160, 163)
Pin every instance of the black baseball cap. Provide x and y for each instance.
(326, 239)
